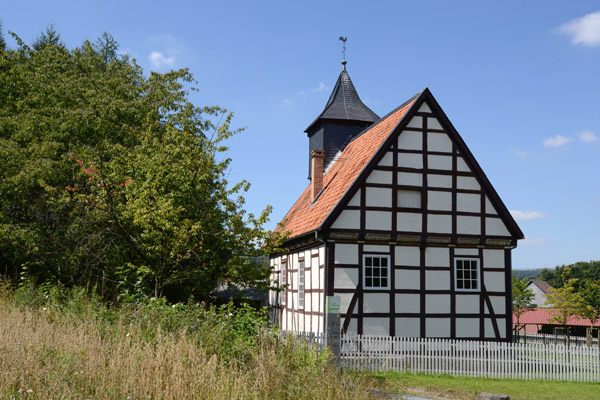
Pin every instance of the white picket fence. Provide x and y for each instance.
(551, 339)
(472, 358)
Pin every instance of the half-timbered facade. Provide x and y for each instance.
(402, 224)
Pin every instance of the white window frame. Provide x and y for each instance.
(301, 283)
(366, 276)
(476, 279)
(283, 281)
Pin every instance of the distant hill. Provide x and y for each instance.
(526, 273)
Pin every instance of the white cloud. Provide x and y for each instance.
(159, 60)
(287, 104)
(533, 241)
(526, 215)
(584, 30)
(587, 136)
(321, 88)
(519, 153)
(556, 141)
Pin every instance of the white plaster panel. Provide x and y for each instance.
(489, 328)
(466, 252)
(439, 142)
(410, 140)
(409, 222)
(468, 225)
(437, 327)
(376, 248)
(495, 227)
(467, 303)
(352, 328)
(376, 326)
(461, 165)
(408, 255)
(315, 302)
(408, 303)
(467, 182)
(407, 160)
(322, 253)
(424, 108)
(442, 181)
(489, 208)
(345, 299)
(317, 325)
(501, 327)
(346, 253)
(467, 327)
(407, 279)
(387, 160)
(345, 278)
(498, 304)
(494, 281)
(441, 201)
(437, 257)
(439, 223)
(415, 122)
(468, 202)
(378, 176)
(410, 179)
(378, 220)
(348, 219)
(355, 200)
(439, 162)
(493, 258)
(437, 280)
(433, 123)
(437, 304)
(378, 197)
(314, 275)
(408, 327)
(376, 302)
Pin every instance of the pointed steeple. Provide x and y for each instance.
(344, 104)
(342, 119)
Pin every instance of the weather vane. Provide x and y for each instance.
(343, 39)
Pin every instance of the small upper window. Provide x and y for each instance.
(283, 281)
(301, 284)
(466, 274)
(376, 272)
(409, 198)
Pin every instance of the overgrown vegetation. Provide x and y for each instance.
(60, 343)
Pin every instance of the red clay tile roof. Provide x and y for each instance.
(540, 316)
(544, 286)
(303, 217)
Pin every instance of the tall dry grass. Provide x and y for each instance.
(45, 353)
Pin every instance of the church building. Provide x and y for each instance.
(400, 222)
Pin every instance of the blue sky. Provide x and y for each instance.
(519, 80)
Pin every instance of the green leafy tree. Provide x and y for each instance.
(567, 303)
(2, 40)
(591, 306)
(115, 180)
(522, 299)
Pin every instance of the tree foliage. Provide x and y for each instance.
(583, 271)
(113, 179)
(566, 302)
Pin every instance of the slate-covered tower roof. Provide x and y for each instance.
(342, 119)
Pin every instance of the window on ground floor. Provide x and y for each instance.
(466, 274)
(376, 272)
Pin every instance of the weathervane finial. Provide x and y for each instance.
(343, 39)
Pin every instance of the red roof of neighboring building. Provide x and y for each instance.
(304, 217)
(540, 316)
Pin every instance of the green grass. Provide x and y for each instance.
(446, 386)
